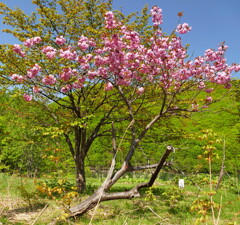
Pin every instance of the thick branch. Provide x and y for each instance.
(159, 167)
(147, 167)
(70, 145)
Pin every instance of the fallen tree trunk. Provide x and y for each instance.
(101, 194)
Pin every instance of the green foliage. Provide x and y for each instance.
(29, 196)
(173, 195)
(202, 207)
(149, 196)
(24, 147)
(56, 188)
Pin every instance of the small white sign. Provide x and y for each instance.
(181, 183)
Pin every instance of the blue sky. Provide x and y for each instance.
(212, 21)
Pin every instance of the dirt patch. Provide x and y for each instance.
(16, 210)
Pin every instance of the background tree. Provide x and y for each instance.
(52, 21)
(24, 146)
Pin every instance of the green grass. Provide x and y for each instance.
(162, 204)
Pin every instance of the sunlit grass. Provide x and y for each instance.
(153, 207)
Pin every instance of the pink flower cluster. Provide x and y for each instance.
(209, 99)
(49, 51)
(32, 41)
(84, 43)
(183, 28)
(49, 80)
(108, 86)
(68, 53)
(66, 88)
(17, 78)
(34, 71)
(79, 83)
(36, 89)
(27, 97)
(156, 13)
(110, 22)
(123, 58)
(18, 50)
(140, 90)
(60, 40)
(67, 73)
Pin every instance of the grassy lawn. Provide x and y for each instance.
(164, 203)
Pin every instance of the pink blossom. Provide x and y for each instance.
(183, 28)
(85, 66)
(123, 58)
(222, 78)
(18, 50)
(51, 55)
(89, 57)
(84, 43)
(32, 41)
(60, 40)
(110, 21)
(17, 78)
(46, 49)
(66, 88)
(77, 85)
(67, 73)
(108, 86)
(69, 54)
(140, 90)
(49, 80)
(209, 99)
(49, 51)
(27, 98)
(201, 85)
(156, 15)
(36, 89)
(37, 40)
(228, 85)
(195, 107)
(34, 71)
(209, 90)
(92, 74)
(102, 71)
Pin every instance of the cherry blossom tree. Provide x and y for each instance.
(120, 74)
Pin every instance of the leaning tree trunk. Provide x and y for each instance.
(101, 194)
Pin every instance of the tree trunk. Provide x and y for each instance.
(80, 174)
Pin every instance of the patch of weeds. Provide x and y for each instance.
(173, 196)
(55, 188)
(4, 220)
(90, 189)
(28, 196)
(58, 189)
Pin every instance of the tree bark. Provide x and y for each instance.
(80, 174)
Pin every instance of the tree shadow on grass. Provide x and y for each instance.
(26, 209)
